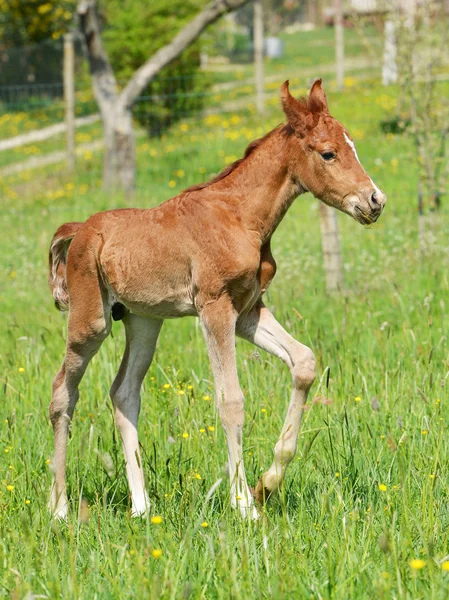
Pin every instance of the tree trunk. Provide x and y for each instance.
(119, 155)
(330, 240)
(119, 169)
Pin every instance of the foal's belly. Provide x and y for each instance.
(164, 299)
(166, 309)
(182, 303)
(149, 289)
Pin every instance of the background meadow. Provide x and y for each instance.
(364, 511)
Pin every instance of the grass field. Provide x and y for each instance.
(364, 511)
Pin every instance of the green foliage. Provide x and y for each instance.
(26, 22)
(134, 31)
(30, 39)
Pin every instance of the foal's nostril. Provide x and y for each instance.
(374, 199)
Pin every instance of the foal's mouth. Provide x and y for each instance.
(365, 218)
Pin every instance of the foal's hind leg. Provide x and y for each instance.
(89, 324)
(218, 321)
(141, 338)
(261, 328)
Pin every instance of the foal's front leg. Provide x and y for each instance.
(261, 328)
(218, 322)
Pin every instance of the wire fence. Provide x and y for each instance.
(188, 128)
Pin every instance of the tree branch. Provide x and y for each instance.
(103, 78)
(168, 53)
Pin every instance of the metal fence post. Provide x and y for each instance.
(258, 54)
(69, 98)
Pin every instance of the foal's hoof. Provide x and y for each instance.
(60, 513)
(261, 493)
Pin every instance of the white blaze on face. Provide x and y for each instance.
(353, 148)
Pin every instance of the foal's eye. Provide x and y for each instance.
(328, 155)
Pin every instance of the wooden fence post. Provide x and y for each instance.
(330, 240)
(69, 98)
(258, 54)
(339, 44)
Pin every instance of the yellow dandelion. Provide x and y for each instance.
(172, 183)
(180, 173)
(206, 398)
(238, 498)
(382, 487)
(190, 387)
(156, 520)
(211, 428)
(181, 392)
(417, 564)
(264, 410)
(185, 435)
(156, 553)
(166, 386)
(357, 398)
(202, 430)
(10, 488)
(197, 476)
(445, 565)
(27, 501)
(205, 524)
(47, 462)
(432, 475)
(21, 370)
(425, 431)
(337, 474)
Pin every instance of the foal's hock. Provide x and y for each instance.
(205, 252)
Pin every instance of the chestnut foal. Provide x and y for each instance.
(205, 253)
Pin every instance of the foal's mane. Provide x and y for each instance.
(233, 166)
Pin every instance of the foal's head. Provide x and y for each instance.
(324, 158)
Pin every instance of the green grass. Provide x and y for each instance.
(378, 412)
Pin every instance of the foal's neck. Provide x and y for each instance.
(263, 186)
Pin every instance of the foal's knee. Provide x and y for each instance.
(232, 412)
(304, 368)
(126, 404)
(60, 400)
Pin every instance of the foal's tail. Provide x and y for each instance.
(57, 277)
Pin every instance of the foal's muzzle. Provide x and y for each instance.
(371, 205)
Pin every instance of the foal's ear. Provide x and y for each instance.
(317, 98)
(296, 111)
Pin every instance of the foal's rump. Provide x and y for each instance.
(133, 259)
